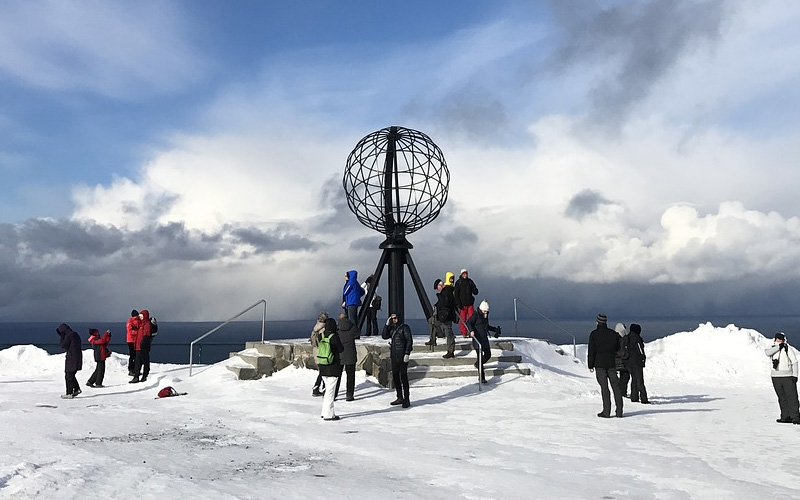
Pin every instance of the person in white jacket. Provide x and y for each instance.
(784, 378)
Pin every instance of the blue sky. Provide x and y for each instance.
(632, 156)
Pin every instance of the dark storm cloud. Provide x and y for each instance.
(635, 44)
(585, 203)
(272, 241)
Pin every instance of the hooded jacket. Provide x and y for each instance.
(352, 291)
(636, 356)
(464, 291)
(131, 329)
(71, 343)
(787, 360)
(99, 344)
(446, 303)
(402, 342)
(143, 337)
(619, 360)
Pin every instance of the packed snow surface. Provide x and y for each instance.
(711, 432)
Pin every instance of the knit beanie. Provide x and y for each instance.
(602, 318)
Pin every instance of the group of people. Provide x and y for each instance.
(616, 356)
(140, 330)
(71, 343)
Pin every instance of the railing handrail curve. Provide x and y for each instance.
(198, 339)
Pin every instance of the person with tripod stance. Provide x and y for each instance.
(784, 379)
(399, 353)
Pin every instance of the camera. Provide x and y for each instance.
(497, 332)
(775, 363)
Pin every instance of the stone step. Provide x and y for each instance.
(244, 372)
(435, 359)
(491, 369)
(461, 345)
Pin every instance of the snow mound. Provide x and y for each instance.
(728, 356)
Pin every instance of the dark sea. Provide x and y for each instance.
(173, 340)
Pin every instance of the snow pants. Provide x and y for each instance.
(786, 390)
(604, 376)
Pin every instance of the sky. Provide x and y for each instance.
(630, 157)
(709, 434)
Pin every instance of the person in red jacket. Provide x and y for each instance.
(131, 327)
(142, 344)
(100, 347)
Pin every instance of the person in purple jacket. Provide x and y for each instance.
(71, 343)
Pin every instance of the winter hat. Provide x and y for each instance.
(462, 272)
(635, 328)
(449, 278)
(602, 318)
(94, 331)
(620, 328)
(134, 313)
(484, 306)
(436, 284)
(780, 336)
(330, 325)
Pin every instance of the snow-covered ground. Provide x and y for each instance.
(711, 432)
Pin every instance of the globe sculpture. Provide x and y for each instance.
(396, 181)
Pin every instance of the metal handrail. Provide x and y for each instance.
(516, 324)
(263, 324)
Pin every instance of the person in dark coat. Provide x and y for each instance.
(399, 353)
(635, 364)
(464, 291)
(71, 343)
(603, 346)
(444, 315)
(479, 328)
(101, 353)
(331, 372)
(348, 333)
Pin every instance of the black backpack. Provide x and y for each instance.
(153, 327)
(376, 302)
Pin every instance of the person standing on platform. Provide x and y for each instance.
(131, 326)
(464, 291)
(622, 370)
(100, 348)
(71, 343)
(399, 353)
(603, 346)
(479, 328)
(351, 295)
(372, 308)
(143, 340)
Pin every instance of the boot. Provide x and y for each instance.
(317, 393)
(406, 403)
(449, 355)
(397, 401)
(134, 380)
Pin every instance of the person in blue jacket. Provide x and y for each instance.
(351, 295)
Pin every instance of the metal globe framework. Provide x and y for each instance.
(396, 182)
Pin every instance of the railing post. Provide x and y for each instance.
(263, 321)
(516, 320)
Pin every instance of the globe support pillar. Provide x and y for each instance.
(395, 256)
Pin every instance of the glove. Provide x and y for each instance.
(388, 321)
(406, 358)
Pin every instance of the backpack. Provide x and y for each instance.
(167, 392)
(324, 350)
(153, 327)
(376, 302)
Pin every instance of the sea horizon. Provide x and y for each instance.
(171, 345)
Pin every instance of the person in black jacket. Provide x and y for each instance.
(464, 292)
(71, 343)
(479, 328)
(603, 346)
(348, 333)
(635, 364)
(444, 315)
(399, 353)
(331, 372)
